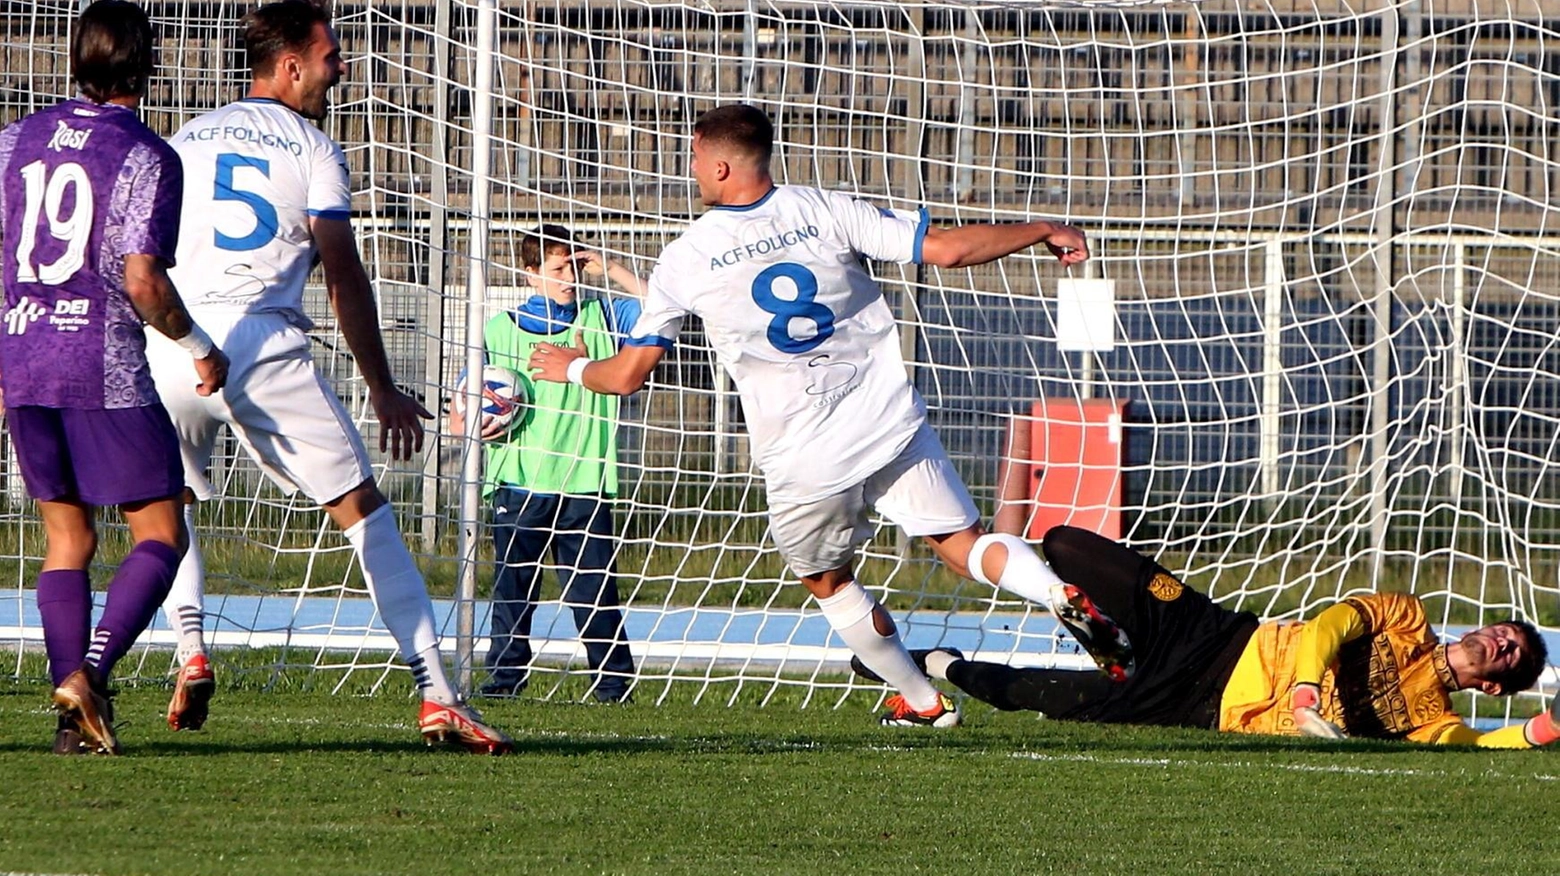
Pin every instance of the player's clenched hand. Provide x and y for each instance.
(400, 422)
(1308, 720)
(550, 362)
(212, 371)
(1068, 244)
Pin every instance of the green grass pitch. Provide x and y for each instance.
(301, 782)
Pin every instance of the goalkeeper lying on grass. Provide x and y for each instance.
(1368, 667)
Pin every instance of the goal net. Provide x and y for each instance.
(1314, 353)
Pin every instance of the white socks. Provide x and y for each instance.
(849, 612)
(937, 663)
(187, 598)
(1025, 574)
(402, 599)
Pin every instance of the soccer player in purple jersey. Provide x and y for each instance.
(89, 216)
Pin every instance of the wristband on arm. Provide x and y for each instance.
(197, 343)
(576, 372)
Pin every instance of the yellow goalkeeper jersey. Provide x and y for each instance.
(1391, 682)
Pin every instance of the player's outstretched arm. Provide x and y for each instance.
(969, 245)
(151, 292)
(352, 297)
(1536, 732)
(622, 373)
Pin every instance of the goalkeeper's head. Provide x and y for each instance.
(1501, 659)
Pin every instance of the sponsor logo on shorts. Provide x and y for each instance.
(1165, 588)
(25, 313)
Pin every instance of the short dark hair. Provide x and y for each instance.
(1525, 672)
(112, 52)
(538, 244)
(277, 28)
(737, 126)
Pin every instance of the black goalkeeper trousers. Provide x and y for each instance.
(1185, 646)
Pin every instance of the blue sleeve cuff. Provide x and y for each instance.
(920, 235)
(651, 341)
(331, 214)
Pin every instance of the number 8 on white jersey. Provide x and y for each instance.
(802, 328)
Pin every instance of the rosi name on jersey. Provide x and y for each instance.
(66, 137)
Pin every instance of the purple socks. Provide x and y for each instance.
(65, 604)
(139, 587)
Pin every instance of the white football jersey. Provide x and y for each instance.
(254, 173)
(801, 327)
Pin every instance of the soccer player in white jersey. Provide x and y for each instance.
(266, 192)
(775, 274)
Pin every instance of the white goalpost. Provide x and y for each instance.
(1315, 352)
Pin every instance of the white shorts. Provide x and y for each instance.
(277, 405)
(920, 491)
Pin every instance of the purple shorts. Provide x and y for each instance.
(104, 457)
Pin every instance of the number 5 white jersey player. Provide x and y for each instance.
(775, 274)
(265, 193)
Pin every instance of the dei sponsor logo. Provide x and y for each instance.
(70, 314)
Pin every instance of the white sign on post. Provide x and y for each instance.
(1085, 315)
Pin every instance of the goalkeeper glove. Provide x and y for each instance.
(1544, 728)
(1308, 720)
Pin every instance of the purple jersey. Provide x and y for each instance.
(82, 185)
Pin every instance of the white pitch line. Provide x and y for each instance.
(1343, 769)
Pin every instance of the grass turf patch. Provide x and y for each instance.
(302, 782)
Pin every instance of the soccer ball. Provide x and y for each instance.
(502, 395)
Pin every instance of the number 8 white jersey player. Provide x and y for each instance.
(775, 274)
(265, 193)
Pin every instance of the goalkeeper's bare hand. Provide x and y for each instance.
(1308, 720)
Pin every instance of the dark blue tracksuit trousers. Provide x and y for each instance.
(577, 532)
